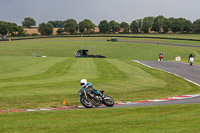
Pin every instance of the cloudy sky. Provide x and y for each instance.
(96, 10)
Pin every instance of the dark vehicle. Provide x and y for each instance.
(113, 39)
(84, 53)
(88, 99)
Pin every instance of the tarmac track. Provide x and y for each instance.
(161, 43)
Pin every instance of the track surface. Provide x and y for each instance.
(161, 43)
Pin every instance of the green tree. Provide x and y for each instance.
(166, 25)
(12, 28)
(57, 23)
(49, 29)
(71, 26)
(188, 26)
(45, 29)
(140, 21)
(3, 28)
(147, 24)
(20, 31)
(86, 26)
(104, 26)
(28, 22)
(196, 26)
(114, 26)
(177, 25)
(42, 28)
(59, 31)
(169, 23)
(134, 26)
(158, 24)
(125, 26)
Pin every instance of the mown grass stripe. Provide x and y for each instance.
(58, 69)
(108, 71)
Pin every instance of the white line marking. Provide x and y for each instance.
(194, 95)
(33, 110)
(47, 109)
(122, 103)
(157, 100)
(80, 106)
(191, 81)
(142, 63)
(133, 103)
(178, 98)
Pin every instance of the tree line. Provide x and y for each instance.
(158, 24)
(10, 28)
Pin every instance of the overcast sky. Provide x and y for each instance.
(96, 10)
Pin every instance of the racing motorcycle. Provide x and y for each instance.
(160, 58)
(88, 99)
(191, 60)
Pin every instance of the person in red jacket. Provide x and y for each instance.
(161, 56)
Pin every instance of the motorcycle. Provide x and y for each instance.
(160, 58)
(88, 99)
(191, 60)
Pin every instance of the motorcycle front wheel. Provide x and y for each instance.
(86, 102)
(108, 101)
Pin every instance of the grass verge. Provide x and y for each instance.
(162, 119)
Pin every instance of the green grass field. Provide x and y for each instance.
(31, 82)
(155, 119)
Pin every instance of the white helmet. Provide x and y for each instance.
(83, 82)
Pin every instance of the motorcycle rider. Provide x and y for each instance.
(191, 59)
(160, 56)
(191, 55)
(85, 85)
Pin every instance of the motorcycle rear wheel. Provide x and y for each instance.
(86, 102)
